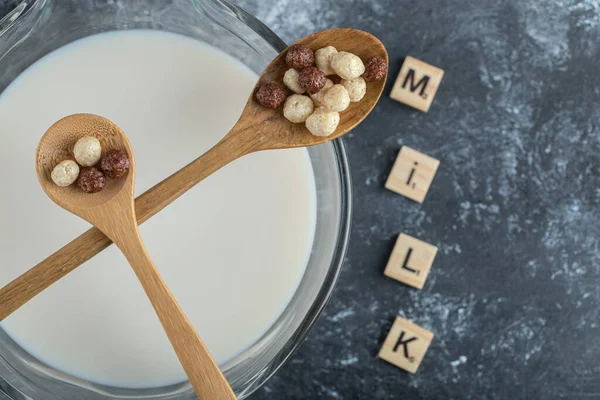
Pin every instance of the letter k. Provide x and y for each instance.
(404, 343)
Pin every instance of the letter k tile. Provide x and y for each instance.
(405, 345)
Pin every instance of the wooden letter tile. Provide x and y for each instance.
(412, 174)
(410, 261)
(416, 84)
(405, 345)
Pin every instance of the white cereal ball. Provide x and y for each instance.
(318, 97)
(290, 79)
(347, 65)
(87, 151)
(323, 122)
(297, 108)
(357, 88)
(336, 98)
(65, 173)
(323, 59)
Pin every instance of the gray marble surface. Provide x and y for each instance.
(514, 294)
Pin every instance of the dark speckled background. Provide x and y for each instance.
(514, 294)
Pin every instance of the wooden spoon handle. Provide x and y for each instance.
(87, 245)
(202, 371)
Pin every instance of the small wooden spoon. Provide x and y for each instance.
(257, 129)
(112, 212)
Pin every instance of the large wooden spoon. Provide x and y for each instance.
(112, 212)
(257, 129)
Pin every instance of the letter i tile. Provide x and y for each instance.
(412, 174)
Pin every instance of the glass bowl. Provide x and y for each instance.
(37, 27)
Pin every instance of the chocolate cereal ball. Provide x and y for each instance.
(312, 79)
(91, 180)
(375, 69)
(270, 95)
(115, 164)
(299, 56)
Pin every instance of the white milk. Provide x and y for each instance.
(232, 250)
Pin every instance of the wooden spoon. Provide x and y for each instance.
(257, 129)
(112, 212)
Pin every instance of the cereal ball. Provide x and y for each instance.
(336, 98)
(312, 80)
(290, 79)
(347, 65)
(323, 59)
(318, 97)
(65, 173)
(91, 180)
(323, 122)
(115, 164)
(299, 56)
(270, 95)
(375, 69)
(87, 151)
(357, 88)
(297, 108)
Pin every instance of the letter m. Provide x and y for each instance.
(410, 79)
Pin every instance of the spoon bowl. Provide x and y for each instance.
(57, 145)
(273, 131)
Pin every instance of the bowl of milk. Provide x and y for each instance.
(251, 254)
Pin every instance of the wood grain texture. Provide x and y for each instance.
(257, 129)
(112, 211)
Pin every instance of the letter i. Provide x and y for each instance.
(412, 172)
